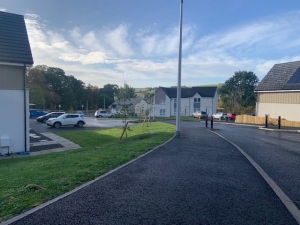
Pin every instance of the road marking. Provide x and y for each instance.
(292, 208)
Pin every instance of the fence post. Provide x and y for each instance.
(267, 120)
(206, 119)
(279, 122)
(211, 122)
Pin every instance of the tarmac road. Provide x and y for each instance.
(197, 178)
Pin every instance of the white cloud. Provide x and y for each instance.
(150, 57)
(3, 10)
(117, 40)
(90, 58)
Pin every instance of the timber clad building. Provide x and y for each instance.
(279, 92)
(15, 57)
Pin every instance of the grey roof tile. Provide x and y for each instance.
(190, 92)
(279, 76)
(14, 42)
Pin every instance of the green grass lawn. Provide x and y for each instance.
(30, 181)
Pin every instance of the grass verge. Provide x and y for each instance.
(30, 181)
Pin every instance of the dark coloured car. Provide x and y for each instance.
(37, 113)
(43, 119)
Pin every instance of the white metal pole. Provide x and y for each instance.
(179, 75)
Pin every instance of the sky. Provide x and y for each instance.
(137, 41)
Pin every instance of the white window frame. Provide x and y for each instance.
(162, 101)
(162, 112)
(197, 101)
(175, 105)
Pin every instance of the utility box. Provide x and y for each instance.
(4, 141)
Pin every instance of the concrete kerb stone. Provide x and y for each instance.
(263, 127)
(18, 217)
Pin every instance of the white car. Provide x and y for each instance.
(67, 119)
(103, 113)
(220, 115)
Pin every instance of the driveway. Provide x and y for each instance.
(197, 178)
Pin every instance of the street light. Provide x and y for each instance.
(82, 107)
(179, 75)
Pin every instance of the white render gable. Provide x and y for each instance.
(166, 106)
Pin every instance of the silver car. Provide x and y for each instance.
(200, 115)
(67, 119)
(103, 113)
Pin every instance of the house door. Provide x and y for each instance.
(208, 110)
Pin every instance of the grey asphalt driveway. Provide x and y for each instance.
(197, 178)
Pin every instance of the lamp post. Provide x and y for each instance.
(59, 107)
(179, 75)
(82, 107)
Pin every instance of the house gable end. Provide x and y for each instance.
(14, 42)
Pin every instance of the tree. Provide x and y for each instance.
(107, 94)
(124, 94)
(237, 93)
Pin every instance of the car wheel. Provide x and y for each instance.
(56, 125)
(100, 116)
(80, 124)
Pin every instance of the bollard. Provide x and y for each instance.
(266, 121)
(279, 122)
(206, 121)
(211, 122)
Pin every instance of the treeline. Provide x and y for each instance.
(50, 87)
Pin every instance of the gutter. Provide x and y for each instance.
(277, 91)
(25, 117)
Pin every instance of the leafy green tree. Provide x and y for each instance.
(124, 95)
(238, 91)
(107, 94)
(37, 96)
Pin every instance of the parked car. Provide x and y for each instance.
(103, 113)
(220, 116)
(43, 119)
(80, 113)
(66, 119)
(231, 116)
(37, 113)
(200, 115)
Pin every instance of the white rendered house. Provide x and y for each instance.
(15, 57)
(192, 99)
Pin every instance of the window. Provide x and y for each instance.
(175, 105)
(71, 116)
(197, 104)
(162, 101)
(162, 112)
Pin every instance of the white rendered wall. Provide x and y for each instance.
(13, 121)
(166, 106)
(286, 111)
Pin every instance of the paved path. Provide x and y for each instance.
(54, 143)
(197, 178)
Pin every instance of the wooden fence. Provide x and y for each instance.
(262, 120)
